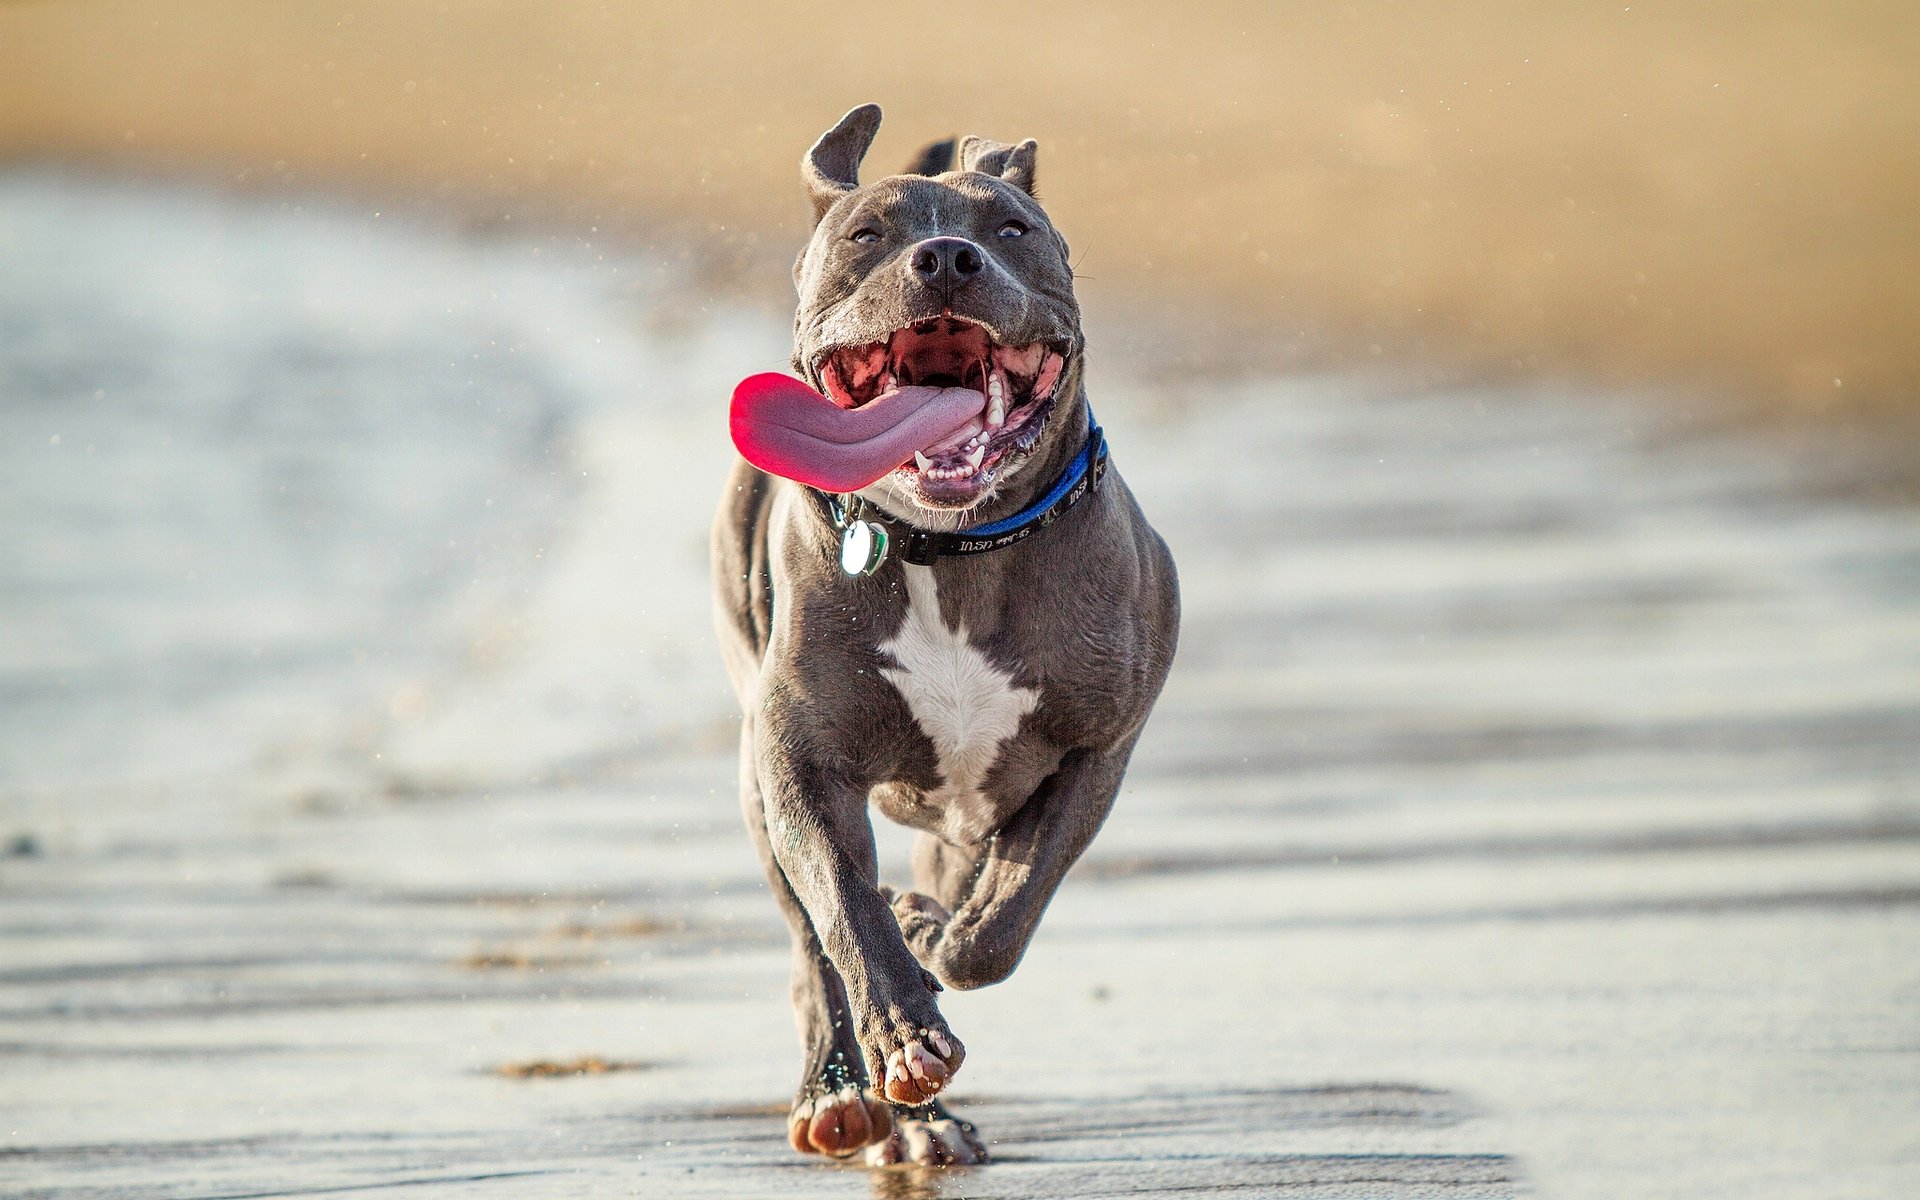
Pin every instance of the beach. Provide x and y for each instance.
(1532, 810)
(1674, 194)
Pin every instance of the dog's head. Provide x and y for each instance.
(943, 278)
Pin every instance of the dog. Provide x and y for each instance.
(985, 689)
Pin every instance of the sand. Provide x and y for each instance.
(1720, 196)
(1532, 810)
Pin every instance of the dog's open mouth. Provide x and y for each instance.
(1015, 384)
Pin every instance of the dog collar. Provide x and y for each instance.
(864, 542)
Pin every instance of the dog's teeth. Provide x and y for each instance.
(922, 461)
(996, 400)
(974, 459)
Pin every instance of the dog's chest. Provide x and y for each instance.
(967, 705)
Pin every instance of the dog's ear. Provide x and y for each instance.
(936, 159)
(832, 168)
(1011, 163)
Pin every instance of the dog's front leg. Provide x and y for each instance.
(817, 827)
(984, 904)
(833, 1113)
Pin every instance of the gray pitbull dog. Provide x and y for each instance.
(989, 700)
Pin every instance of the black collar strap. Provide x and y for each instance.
(921, 546)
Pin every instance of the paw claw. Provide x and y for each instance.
(915, 1073)
(922, 1063)
(916, 1078)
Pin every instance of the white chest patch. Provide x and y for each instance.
(963, 703)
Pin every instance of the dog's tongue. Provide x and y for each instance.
(786, 428)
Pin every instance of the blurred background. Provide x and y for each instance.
(1528, 392)
(1711, 193)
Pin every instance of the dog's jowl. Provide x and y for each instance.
(970, 644)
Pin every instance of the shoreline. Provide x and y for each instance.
(1188, 347)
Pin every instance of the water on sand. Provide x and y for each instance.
(1533, 806)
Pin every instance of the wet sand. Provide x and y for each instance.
(1533, 809)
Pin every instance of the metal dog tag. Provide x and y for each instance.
(863, 547)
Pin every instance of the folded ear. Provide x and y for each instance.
(936, 159)
(832, 168)
(1011, 163)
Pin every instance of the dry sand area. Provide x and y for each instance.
(1713, 193)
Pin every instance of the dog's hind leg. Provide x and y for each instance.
(976, 910)
(928, 1135)
(982, 904)
(834, 1112)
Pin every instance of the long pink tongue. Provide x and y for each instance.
(786, 428)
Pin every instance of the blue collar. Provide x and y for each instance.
(1081, 478)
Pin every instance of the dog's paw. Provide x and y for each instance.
(838, 1123)
(929, 1137)
(922, 920)
(918, 1064)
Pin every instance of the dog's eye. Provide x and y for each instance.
(1013, 229)
(864, 235)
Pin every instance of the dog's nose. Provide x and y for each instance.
(946, 262)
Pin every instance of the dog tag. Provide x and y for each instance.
(863, 547)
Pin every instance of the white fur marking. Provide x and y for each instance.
(963, 703)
